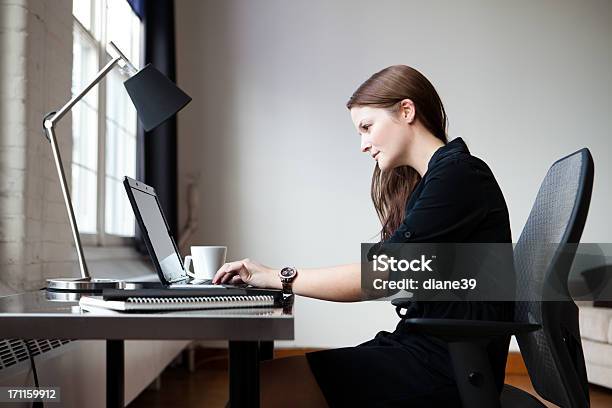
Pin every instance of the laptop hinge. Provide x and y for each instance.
(178, 279)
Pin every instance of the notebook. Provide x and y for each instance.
(169, 300)
(177, 303)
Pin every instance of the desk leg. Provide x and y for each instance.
(114, 373)
(266, 350)
(244, 374)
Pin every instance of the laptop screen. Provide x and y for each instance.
(159, 236)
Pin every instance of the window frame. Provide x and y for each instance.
(98, 37)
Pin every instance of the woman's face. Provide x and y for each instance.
(384, 135)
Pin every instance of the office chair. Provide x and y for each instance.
(547, 331)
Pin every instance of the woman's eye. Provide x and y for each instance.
(366, 127)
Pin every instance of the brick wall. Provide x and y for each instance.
(35, 77)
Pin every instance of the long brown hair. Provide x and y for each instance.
(386, 89)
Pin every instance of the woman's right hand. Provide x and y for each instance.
(249, 272)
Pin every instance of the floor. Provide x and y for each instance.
(600, 397)
(208, 387)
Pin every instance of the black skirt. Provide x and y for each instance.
(404, 369)
(383, 372)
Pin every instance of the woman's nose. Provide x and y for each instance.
(365, 144)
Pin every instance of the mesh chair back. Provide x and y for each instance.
(542, 256)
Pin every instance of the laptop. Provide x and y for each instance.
(160, 244)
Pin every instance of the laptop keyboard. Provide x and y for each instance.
(201, 282)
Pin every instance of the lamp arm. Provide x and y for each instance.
(52, 121)
(50, 132)
(49, 123)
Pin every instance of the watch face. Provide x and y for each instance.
(288, 273)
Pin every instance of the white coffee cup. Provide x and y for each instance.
(206, 261)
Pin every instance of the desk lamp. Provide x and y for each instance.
(156, 99)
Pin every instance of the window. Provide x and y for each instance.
(104, 122)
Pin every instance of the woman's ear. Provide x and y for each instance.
(407, 111)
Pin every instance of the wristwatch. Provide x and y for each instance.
(287, 275)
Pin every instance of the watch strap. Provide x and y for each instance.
(287, 287)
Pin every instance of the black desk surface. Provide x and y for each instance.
(38, 315)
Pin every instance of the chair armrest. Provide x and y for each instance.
(466, 330)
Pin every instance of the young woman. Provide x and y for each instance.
(424, 189)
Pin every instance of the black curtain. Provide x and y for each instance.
(156, 162)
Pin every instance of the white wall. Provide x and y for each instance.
(35, 77)
(281, 176)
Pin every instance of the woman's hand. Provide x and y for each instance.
(249, 272)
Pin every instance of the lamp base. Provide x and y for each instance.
(64, 296)
(82, 284)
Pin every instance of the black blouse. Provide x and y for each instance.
(458, 200)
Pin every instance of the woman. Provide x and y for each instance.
(424, 189)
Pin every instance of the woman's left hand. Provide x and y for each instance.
(249, 272)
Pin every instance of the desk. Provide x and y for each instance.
(250, 333)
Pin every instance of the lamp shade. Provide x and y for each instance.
(155, 97)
